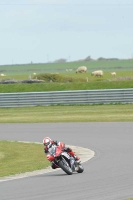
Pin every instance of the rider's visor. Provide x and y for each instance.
(46, 144)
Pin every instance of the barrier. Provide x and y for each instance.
(105, 96)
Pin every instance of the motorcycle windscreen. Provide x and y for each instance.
(62, 145)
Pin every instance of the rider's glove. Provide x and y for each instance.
(45, 151)
(68, 149)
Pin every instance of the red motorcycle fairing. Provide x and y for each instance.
(58, 151)
(55, 152)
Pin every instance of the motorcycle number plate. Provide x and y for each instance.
(66, 155)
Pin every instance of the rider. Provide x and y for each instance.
(48, 144)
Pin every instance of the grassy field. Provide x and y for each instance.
(84, 81)
(95, 113)
(43, 87)
(104, 65)
(16, 158)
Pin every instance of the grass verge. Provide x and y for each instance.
(130, 199)
(44, 87)
(17, 157)
(77, 113)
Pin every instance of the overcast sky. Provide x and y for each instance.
(46, 30)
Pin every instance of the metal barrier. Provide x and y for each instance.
(105, 96)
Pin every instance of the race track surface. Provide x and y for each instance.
(107, 176)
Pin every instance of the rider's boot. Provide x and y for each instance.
(76, 158)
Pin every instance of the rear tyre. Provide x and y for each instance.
(65, 168)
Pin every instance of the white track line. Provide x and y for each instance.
(84, 154)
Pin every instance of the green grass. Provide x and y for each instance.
(43, 87)
(130, 199)
(77, 113)
(23, 71)
(16, 158)
(68, 80)
(61, 67)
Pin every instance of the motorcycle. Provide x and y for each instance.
(64, 160)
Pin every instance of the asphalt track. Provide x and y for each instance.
(107, 176)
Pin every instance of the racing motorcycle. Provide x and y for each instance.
(64, 160)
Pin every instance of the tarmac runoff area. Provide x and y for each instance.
(84, 154)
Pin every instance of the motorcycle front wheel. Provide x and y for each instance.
(65, 167)
(80, 168)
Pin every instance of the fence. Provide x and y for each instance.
(106, 96)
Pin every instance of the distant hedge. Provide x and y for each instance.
(58, 78)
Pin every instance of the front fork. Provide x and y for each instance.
(55, 162)
(72, 163)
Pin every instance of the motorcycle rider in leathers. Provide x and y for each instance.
(48, 144)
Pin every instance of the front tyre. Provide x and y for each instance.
(80, 168)
(65, 168)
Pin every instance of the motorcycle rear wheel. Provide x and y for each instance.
(65, 168)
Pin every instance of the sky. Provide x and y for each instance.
(41, 31)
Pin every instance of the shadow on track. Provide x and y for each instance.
(50, 174)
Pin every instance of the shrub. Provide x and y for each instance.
(59, 78)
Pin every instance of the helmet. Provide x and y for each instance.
(47, 142)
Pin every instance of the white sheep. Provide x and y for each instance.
(34, 73)
(2, 74)
(113, 73)
(81, 69)
(97, 73)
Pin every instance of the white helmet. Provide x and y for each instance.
(47, 142)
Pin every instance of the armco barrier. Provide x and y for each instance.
(106, 96)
